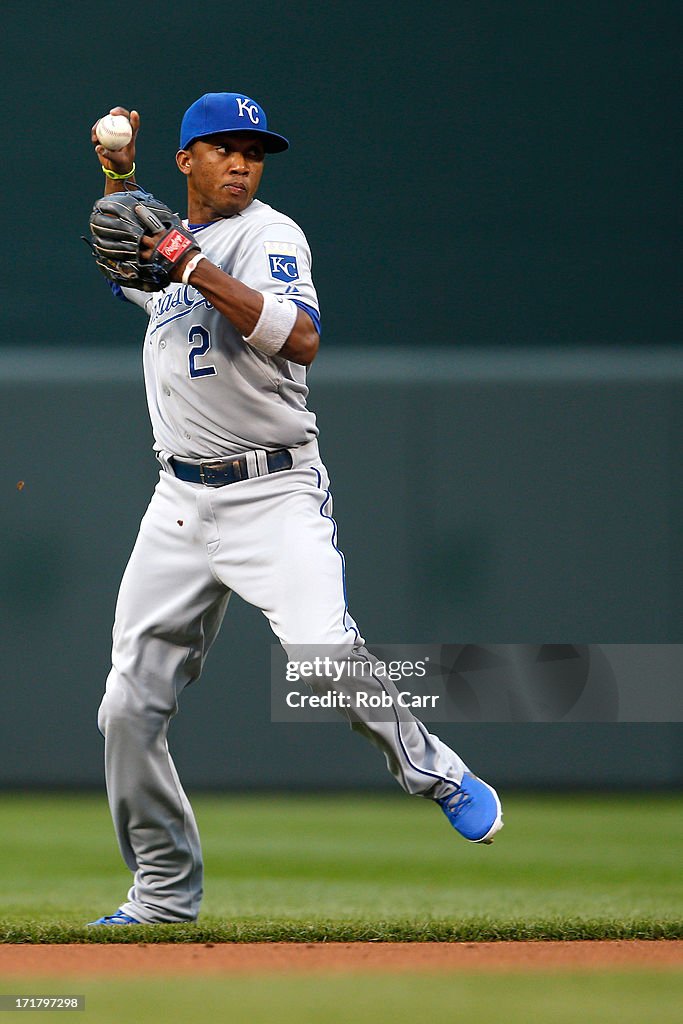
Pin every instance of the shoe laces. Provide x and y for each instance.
(456, 802)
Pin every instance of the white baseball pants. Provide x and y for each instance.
(272, 540)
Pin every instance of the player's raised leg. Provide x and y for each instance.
(299, 583)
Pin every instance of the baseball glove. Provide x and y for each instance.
(117, 224)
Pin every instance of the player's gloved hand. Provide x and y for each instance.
(118, 226)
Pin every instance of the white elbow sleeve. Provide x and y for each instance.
(275, 324)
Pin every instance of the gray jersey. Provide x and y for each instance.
(209, 393)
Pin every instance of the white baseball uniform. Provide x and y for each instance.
(269, 537)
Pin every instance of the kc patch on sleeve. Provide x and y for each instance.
(282, 261)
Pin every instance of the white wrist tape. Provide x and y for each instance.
(192, 266)
(275, 324)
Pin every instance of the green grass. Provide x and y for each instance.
(615, 998)
(345, 867)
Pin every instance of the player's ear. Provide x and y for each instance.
(183, 159)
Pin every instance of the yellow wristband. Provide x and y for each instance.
(119, 177)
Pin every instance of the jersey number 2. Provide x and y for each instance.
(200, 339)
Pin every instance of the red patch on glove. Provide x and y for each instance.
(174, 245)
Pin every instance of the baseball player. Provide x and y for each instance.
(243, 500)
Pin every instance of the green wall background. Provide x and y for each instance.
(534, 500)
(467, 173)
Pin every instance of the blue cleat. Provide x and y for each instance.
(118, 918)
(473, 809)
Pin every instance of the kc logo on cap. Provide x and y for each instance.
(249, 107)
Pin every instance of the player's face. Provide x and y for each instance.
(223, 174)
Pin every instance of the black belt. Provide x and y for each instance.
(219, 472)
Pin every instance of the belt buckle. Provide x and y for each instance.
(210, 468)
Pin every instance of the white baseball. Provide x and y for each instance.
(114, 131)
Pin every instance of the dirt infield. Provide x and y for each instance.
(338, 958)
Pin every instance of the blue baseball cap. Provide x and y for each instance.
(228, 112)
